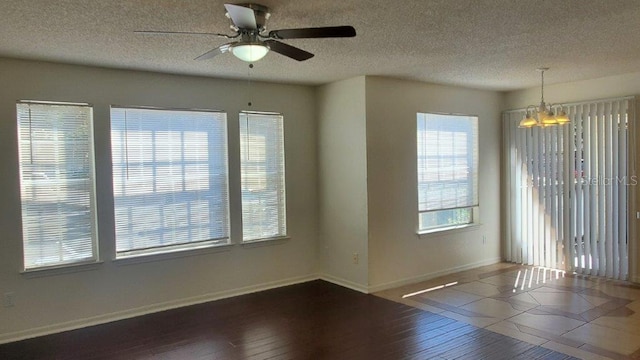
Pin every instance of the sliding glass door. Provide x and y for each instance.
(567, 190)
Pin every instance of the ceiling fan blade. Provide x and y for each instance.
(179, 33)
(215, 52)
(288, 50)
(319, 32)
(242, 17)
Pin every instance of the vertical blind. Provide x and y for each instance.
(568, 190)
(262, 176)
(447, 169)
(56, 183)
(170, 179)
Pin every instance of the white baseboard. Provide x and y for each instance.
(425, 277)
(344, 283)
(149, 309)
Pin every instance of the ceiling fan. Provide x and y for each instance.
(254, 41)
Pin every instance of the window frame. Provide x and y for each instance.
(474, 209)
(95, 258)
(283, 219)
(170, 250)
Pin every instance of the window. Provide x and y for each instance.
(447, 170)
(262, 174)
(170, 179)
(56, 183)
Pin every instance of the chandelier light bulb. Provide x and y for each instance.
(562, 117)
(528, 121)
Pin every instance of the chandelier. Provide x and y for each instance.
(543, 114)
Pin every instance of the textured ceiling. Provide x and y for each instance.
(490, 44)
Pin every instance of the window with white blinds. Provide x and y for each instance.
(170, 179)
(56, 183)
(262, 175)
(447, 170)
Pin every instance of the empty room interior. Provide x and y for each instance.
(358, 179)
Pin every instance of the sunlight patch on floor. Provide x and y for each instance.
(429, 290)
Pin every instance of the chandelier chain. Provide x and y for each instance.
(542, 88)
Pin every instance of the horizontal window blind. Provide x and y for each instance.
(170, 179)
(56, 183)
(263, 176)
(447, 169)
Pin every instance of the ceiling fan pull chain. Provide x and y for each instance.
(249, 84)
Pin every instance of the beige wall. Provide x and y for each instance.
(112, 290)
(602, 88)
(397, 255)
(351, 189)
(343, 182)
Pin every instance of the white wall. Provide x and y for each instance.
(601, 88)
(342, 182)
(396, 254)
(111, 290)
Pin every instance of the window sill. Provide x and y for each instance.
(168, 255)
(448, 230)
(266, 241)
(61, 269)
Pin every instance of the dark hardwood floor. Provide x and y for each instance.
(315, 320)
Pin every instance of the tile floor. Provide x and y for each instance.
(585, 317)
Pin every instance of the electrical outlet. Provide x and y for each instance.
(356, 258)
(8, 300)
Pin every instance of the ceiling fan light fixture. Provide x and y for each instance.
(249, 52)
